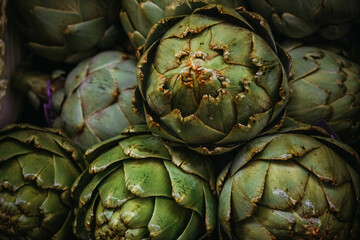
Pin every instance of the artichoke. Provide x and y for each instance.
(37, 169)
(138, 16)
(302, 18)
(212, 79)
(95, 103)
(3, 92)
(324, 85)
(137, 187)
(67, 30)
(290, 186)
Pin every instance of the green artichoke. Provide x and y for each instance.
(291, 186)
(324, 85)
(302, 18)
(352, 43)
(138, 188)
(37, 169)
(138, 16)
(212, 79)
(95, 103)
(10, 103)
(67, 30)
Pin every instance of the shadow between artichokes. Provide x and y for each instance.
(37, 169)
(212, 79)
(291, 186)
(138, 188)
(302, 18)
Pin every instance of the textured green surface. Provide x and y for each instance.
(290, 186)
(138, 188)
(324, 85)
(37, 169)
(214, 78)
(97, 98)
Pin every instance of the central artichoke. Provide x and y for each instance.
(214, 78)
(138, 188)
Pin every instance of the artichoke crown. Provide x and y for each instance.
(200, 87)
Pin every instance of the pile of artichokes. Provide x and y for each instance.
(181, 119)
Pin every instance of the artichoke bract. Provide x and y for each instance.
(302, 18)
(324, 86)
(67, 30)
(136, 187)
(138, 16)
(212, 79)
(37, 169)
(95, 103)
(291, 186)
